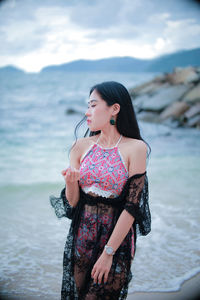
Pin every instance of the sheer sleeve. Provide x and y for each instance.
(137, 203)
(61, 206)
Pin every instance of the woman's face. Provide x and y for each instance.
(98, 113)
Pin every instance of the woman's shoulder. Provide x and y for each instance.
(135, 151)
(82, 144)
(134, 145)
(85, 141)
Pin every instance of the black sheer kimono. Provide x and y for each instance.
(93, 221)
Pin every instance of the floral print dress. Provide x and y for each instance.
(93, 221)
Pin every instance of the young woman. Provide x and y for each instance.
(106, 196)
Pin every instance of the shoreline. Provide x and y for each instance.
(189, 290)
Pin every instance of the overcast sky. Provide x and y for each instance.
(35, 33)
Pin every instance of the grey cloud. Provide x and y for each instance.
(21, 32)
(101, 15)
(21, 42)
(120, 33)
(129, 19)
(105, 13)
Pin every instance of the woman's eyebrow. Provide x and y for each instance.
(93, 100)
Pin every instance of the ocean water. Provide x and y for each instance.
(36, 135)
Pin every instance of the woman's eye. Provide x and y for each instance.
(92, 105)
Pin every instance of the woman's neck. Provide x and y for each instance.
(109, 138)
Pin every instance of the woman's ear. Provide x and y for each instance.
(116, 109)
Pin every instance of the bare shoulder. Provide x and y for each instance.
(136, 151)
(135, 145)
(81, 145)
(82, 142)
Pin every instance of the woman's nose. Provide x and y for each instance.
(87, 113)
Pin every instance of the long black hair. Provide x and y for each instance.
(114, 92)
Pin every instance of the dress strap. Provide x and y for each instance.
(118, 141)
(97, 140)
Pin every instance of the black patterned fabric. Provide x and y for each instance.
(93, 221)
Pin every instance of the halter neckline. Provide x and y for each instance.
(109, 147)
(103, 171)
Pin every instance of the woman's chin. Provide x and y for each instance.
(92, 128)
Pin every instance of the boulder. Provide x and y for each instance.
(193, 111)
(138, 90)
(193, 95)
(161, 78)
(75, 110)
(70, 111)
(146, 88)
(151, 88)
(148, 116)
(186, 75)
(155, 130)
(164, 97)
(194, 121)
(176, 109)
(172, 99)
(171, 122)
(138, 101)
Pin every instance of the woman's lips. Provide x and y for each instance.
(88, 122)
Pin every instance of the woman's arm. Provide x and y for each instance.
(125, 221)
(72, 188)
(72, 175)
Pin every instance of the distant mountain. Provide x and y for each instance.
(165, 63)
(168, 62)
(10, 69)
(113, 64)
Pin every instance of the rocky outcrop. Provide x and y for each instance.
(76, 109)
(172, 98)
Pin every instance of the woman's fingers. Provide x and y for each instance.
(93, 272)
(105, 277)
(101, 269)
(100, 277)
(95, 277)
(63, 172)
(71, 174)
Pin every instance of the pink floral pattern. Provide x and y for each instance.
(88, 231)
(103, 172)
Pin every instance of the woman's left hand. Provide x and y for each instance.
(101, 268)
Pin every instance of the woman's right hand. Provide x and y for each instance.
(71, 175)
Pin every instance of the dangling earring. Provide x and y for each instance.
(112, 121)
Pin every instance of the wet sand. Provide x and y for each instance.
(190, 290)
